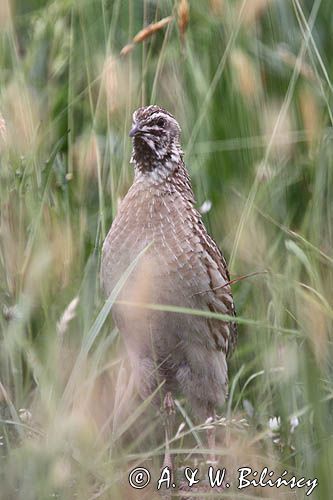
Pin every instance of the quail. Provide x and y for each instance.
(177, 264)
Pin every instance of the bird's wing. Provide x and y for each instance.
(219, 296)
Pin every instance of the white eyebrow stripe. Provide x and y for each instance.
(160, 114)
(149, 121)
(155, 117)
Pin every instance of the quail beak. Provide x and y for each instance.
(135, 130)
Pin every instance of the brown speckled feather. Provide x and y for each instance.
(182, 266)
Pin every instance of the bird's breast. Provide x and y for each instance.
(162, 226)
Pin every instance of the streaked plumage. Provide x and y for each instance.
(182, 266)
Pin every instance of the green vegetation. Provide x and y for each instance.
(251, 85)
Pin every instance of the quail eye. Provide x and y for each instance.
(161, 122)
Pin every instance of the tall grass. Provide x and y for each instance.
(250, 83)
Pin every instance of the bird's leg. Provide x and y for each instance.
(211, 445)
(169, 415)
(211, 433)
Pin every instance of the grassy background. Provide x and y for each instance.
(250, 83)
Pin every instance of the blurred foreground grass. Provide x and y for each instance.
(250, 83)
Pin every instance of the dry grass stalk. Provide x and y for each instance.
(217, 7)
(114, 80)
(183, 17)
(253, 11)
(66, 317)
(315, 324)
(276, 128)
(311, 115)
(246, 77)
(3, 128)
(22, 110)
(291, 60)
(87, 154)
(5, 14)
(146, 33)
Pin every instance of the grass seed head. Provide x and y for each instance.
(145, 33)
(183, 16)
